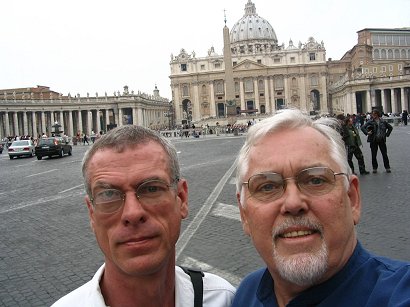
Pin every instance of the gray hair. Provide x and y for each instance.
(125, 137)
(287, 120)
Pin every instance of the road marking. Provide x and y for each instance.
(203, 164)
(71, 188)
(201, 215)
(227, 211)
(193, 263)
(39, 201)
(49, 171)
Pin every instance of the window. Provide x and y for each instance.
(259, 61)
(261, 88)
(377, 54)
(400, 67)
(294, 82)
(219, 87)
(375, 69)
(390, 54)
(384, 56)
(397, 54)
(390, 67)
(185, 90)
(217, 65)
(236, 87)
(203, 89)
(314, 81)
(248, 85)
(234, 63)
(202, 67)
(383, 68)
(312, 56)
(276, 60)
(183, 67)
(279, 82)
(292, 59)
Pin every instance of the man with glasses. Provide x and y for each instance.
(299, 203)
(136, 201)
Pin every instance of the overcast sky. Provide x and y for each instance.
(81, 46)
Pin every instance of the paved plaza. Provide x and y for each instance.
(47, 248)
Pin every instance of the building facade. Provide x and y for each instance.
(375, 73)
(266, 76)
(263, 75)
(34, 111)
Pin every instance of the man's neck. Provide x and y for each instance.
(156, 289)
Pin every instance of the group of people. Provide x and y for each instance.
(377, 130)
(299, 203)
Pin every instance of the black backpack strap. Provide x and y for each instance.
(196, 279)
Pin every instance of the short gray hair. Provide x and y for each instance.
(290, 119)
(129, 136)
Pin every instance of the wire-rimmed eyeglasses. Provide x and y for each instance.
(313, 181)
(149, 193)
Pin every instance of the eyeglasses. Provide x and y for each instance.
(314, 181)
(149, 193)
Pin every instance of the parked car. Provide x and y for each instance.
(54, 146)
(1, 148)
(21, 148)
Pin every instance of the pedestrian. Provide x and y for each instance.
(377, 129)
(404, 117)
(353, 143)
(85, 139)
(299, 203)
(136, 201)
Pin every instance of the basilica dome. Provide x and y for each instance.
(252, 27)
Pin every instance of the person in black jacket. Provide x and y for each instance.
(377, 130)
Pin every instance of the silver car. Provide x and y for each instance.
(21, 148)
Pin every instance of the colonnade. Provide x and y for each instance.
(358, 100)
(19, 118)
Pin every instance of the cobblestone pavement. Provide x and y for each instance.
(47, 248)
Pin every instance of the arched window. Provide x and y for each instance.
(219, 87)
(390, 54)
(294, 82)
(384, 56)
(377, 54)
(403, 54)
(236, 87)
(314, 80)
(279, 82)
(397, 54)
(203, 89)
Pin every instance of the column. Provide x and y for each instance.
(34, 120)
(134, 116)
(403, 99)
(393, 101)
(25, 123)
(80, 122)
(140, 117)
(107, 119)
(70, 128)
(7, 125)
(43, 123)
(354, 105)
(256, 91)
(242, 94)
(304, 101)
(89, 124)
(120, 117)
(196, 104)
(98, 122)
(52, 119)
(267, 100)
(212, 103)
(272, 95)
(368, 101)
(15, 123)
(62, 128)
(383, 96)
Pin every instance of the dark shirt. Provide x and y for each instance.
(365, 280)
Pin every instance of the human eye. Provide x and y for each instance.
(106, 196)
(264, 185)
(315, 178)
(152, 188)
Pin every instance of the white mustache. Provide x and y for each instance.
(297, 222)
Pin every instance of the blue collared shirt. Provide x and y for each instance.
(365, 280)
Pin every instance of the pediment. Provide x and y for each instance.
(247, 65)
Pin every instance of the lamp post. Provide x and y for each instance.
(170, 115)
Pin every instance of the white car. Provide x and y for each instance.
(21, 148)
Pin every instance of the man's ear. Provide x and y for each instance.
(183, 197)
(242, 210)
(90, 211)
(355, 199)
